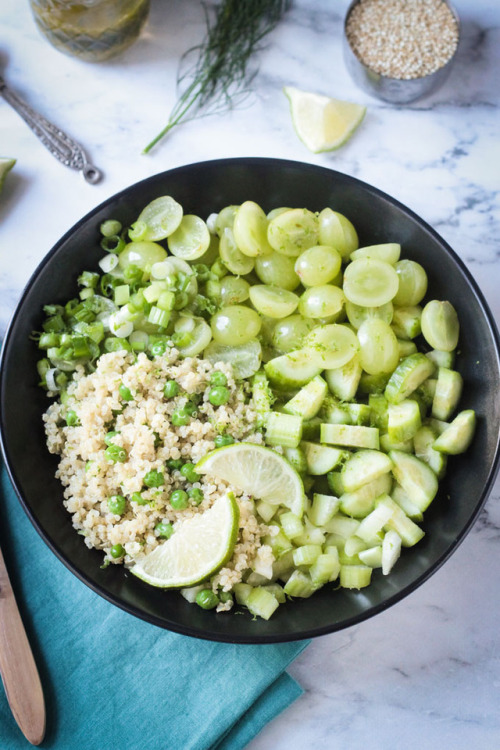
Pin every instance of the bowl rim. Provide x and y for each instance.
(165, 623)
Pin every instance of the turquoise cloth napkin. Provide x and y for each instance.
(113, 682)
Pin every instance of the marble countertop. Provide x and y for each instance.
(425, 673)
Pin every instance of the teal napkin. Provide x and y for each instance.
(113, 682)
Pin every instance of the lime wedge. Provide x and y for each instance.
(6, 165)
(258, 471)
(199, 547)
(322, 123)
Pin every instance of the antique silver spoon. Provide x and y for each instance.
(60, 145)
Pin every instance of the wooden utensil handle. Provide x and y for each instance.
(17, 666)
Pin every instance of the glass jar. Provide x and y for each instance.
(91, 30)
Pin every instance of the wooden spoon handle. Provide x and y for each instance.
(17, 666)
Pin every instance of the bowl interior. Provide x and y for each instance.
(201, 189)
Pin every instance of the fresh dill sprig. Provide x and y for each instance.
(220, 76)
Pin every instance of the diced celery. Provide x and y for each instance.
(308, 401)
(262, 602)
(355, 576)
(391, 550)
(321, 459)
(241, 592)
(262, 396)
(300, 584)
(371, 556)
(283, 567)
(342, 525)
(325, 568)
(153, 291)
(291, 525)
(256, 579)
(376, 520)
(279, 543)
(283, 429)
(354, 545)
(277, 591)
(263, 562)
(423, 442)
(307, 554)
(310, 535)
(323, 508)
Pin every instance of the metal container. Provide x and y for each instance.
(394, 90)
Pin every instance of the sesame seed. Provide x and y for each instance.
(402, 39)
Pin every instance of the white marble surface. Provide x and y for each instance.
(426, 673)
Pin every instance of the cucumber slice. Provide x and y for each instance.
(360, 502)
(292, 370)
(406, 322)
(379, 410)
(401, 498)
(408, 375)
(458, 435)
(403, 420)
(358, 414)
(310, 428)
(448, 391)
(373, 383)
(377, 519)
(351, 436)
(415, 477)
(371, 557)
(442, 359)
(399, 522)
(307, 402)
(387, 444)
(335, 483)
(321, 459)
(422, 443)
(333, 413)
(406, 347)
(363, 467)
(391, 551)
(343, 381)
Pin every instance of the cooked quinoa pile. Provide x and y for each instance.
(122, 404)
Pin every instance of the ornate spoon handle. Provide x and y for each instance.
(60, 145)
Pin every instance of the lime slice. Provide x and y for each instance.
(160, 218)
(6, 165)
(258, 471)
(196, 550)
(322, 123)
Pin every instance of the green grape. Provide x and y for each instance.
(225, 218)
(141, 254)
(412, 283)
(235, 325)
(378, 347)
(268, 326)
(232, 257)
(370, 283)
(250, 230)
(440, 325)
(356, 314)
(331, 346)
(322, 301)
(278, 270)
(233, 290)
(388, 251)
(289, 333)
(277, 211)
(198, 338)
(337, 231)
(318, 265)
(211, 253)
(191, 239)
(273, 301)
(293, 231)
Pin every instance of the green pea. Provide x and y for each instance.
(72, 418)
(108, 437)
(225, 596)
(179, 499)
(139, 499)
(196, 495)
(218, 378)
(219, 395)
(125, 393)
(206, 599)
(115, 454)
(187, 471)
(154, 478)
(116, 551)
(180, 417)
(189, 408)
(222, 440)
(174, 463)
(164, 529)
(170, 389)
(117, 504)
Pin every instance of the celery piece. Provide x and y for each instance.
(353, 545)
(391, 550)
(407, 529)
(449, 386)
(355, 576)
(310, 535)
(152, 292)
(404, 420)
(342, 526)
(283, 566)
(279, 543)
(191, 592)
(377, 519)
(277, 591)
(320, 459)
(241, 592)
(283, 429)
(308, 401)
(307, 554)
(121, 294)
(351, 436)
(325, 568)
(291, 525)
(323, 508)
(300, 584)
(262, 603)
(371, 556)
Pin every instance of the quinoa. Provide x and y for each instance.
(402, 39)
(144, 429)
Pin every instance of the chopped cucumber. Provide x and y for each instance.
(391, 550)
(343, 381)
(442, 359)
(449, 386)
(355, 576)
(300, 584)
(335, 483)
(351, 436)
(404, 420)
(292, 370)
(262, 602)
(325, 568)
(308, 401)
(363, 467)
(415, 477)
(457, 437)
(387, 444)
(283, 429)
(408, 375)
(406, 322)
(321, 459)
(360, 502)
(323, 508)
(423, 441)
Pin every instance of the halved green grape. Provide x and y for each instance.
(235, 325)
(245, 359)
(160, 218)
(200, 337)
(289, 333)
(273, 301)
(318, 265)
(233, 290)
(293, 231)
(370, 283)
(322, 301)
(388, 252)
(225, 218)
(277, 211)
(378, 347)
(412, 283)
(356, 314)
(191, 239)
(232, 257)
(141, 254)
(250, 230)
(331, 346)
(278, 270)
(440, 326)
(337, 231)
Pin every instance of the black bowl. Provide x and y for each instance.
(201, 189)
